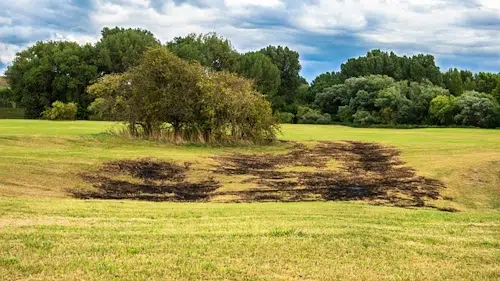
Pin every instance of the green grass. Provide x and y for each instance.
(44, 235)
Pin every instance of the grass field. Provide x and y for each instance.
(47, 235)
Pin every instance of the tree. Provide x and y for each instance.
(420, 95)
(477, 109)
(288, 63)
(376, 62)
(331, 99)
(195, 103)
(164, 89)
(120, 49)
(111, 93)
(393, 103)
(322, 82)
(453, 82)
(486, 82)
(51, 71)
(209, 50)
(231, 104)
(7, 98)
(261, 70)
(442, 109)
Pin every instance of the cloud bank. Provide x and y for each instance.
(459, 33)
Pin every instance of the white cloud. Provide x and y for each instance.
(257, 3)
(441, 27)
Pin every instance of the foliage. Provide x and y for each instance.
(321, 83)
(381, 100)
(306, 115)
(363, 117)
(6, 98)
(376, 62)
(275, 70)
(197, 105)
(289, 66)
(261, 70)
(209, 50)
(231, 105)
(477, 109)
(120, 49)
(61, 111)
(110, 94)
(453, 81)
(286, 117)
(51, 71)
(442, 109)
(395, 90)
(3, 82)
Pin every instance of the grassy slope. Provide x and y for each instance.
(62, 239)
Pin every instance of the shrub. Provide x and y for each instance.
(363, 118)
(346, 114)
(61, 111)
(308, 115)
(286, 117)
(442, 109)
(477, 109)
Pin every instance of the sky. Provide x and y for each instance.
(459, 33)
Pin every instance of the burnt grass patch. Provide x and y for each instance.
(368, 171)
(147, 179)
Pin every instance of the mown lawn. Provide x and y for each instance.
(46, 235)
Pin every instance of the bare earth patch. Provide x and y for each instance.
(366, 171)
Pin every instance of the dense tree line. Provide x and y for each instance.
(383, 88)
(378, 99)
(378, 88)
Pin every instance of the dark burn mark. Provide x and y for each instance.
(369, 172)
(151, 180)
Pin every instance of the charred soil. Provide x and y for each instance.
(366, 171)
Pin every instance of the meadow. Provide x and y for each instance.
(45, 234)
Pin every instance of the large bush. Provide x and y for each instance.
(198, 105)
(286, 117)
(308, 115)
(61, 111)
(442, 109)
(477, 109)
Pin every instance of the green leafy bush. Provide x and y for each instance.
(363, 117)
(61, 111)
(308, 115)
(286, 117)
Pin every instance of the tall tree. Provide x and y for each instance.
(209, 50)
(453, 82)
(322, 82)
(262, 70)
(376, 62)
(288, 63)
(120, 49)
(52, 71)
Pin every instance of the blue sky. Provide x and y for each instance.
(459, 33)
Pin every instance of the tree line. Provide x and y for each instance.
(379, 88)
